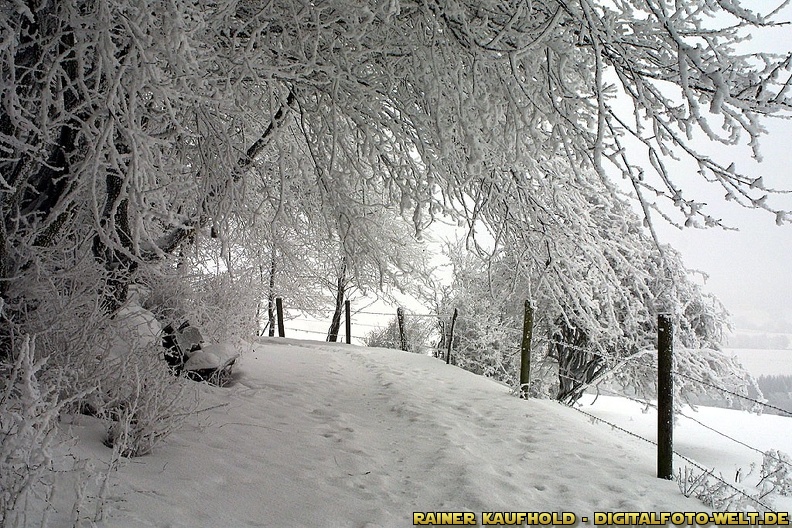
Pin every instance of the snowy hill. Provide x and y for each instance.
(764, 362)
(313, 434)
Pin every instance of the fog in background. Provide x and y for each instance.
(750, 270)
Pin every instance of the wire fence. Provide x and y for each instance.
(690, 461)
(648, 403)
(743, 396)
(594, 353)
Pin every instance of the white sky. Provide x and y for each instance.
(750, 270)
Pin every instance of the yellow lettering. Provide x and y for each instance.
(509, 518)
(720, 517)
(568, 518)
(447, 518)
(492, 518)
(702, 519)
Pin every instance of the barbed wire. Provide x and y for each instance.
(310, 331)
(647, 403)
(683, 457)
(613, 425)
(721, 433)
(444, 317)
(368, 325)
(597, 354)
(365, 312)
(764, 404)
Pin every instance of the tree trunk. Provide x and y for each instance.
(271, 294)
(335, 324)
(577, 364)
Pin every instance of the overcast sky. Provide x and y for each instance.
(750, 270)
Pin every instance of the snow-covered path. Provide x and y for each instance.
(336, 435)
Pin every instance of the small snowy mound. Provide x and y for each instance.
(223, 351)
(133, 328)
(201, 359)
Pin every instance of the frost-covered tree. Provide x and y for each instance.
(157, 114)
(130, 130)
(143, 123)
(597, 282)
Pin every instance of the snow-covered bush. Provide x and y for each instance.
(418, 335)
(775, 479)
(222, 305)
(29, 411)
(716, 492)
(136, 391)
(776, 473)
(597, 281)
(143, 402)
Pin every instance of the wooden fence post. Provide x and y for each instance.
(451, 336)
(665, 398)
(402, 337)
(525, 351)
(438, 351)
(279, 309)
(348, 310)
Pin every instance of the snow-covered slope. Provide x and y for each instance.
(335, 435)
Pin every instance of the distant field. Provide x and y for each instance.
(764, 362)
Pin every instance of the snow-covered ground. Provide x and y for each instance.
(693, 439)
(317, 434)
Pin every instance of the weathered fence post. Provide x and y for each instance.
(279, 309)
(402, 337)
(525, 350)
(665, 398)
(451, 336)
(348, 321)
(438, 351)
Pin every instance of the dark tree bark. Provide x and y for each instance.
(577, 364)
(335, 324)
(271, 294)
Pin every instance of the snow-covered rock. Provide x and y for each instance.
(201, 359)
(224, 351)
(189, 339)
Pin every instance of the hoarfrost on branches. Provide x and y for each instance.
(140, 141)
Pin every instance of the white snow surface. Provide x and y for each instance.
(318, 434)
